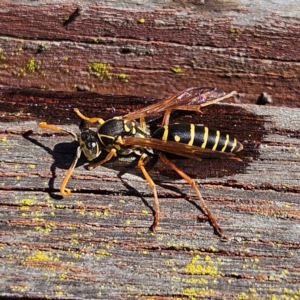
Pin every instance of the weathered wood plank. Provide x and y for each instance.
(96, 242)
(152, 47)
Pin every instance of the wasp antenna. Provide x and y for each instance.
(91, 120)
(44, 125)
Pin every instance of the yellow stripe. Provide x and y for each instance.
(216, 140)
(101, 136)
(166, 133)
(126, 127)
(226, 143)
(233, 145)
(192, 133)
(205, 137)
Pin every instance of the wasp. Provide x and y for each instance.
(130, 134)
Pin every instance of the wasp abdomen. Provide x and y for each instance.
(198, 135)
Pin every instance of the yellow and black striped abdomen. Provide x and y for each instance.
(200, 136)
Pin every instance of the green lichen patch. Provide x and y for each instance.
(123, 77)
(177, 70)
(31, 65)
(100, 70)
(202, 266)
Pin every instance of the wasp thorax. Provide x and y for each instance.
(90, 144)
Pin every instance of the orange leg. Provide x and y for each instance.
(64, 191)
(153, 187)
(193, 185)
(109, 156)
(91, 120)
(166, 118)
(143, 123)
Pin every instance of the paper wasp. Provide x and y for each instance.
(125, 135)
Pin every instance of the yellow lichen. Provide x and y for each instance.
(204, 268)
(123, 77)
(242, 296)
(26, 202)
(177, 70)
(100, 70)
(45, 228)
(32, 65)
(20, 288)
(195, 293)
(62, 276)
(212, 248)
(233, 30)
(42, 256)
(196, 281)
(103, 253)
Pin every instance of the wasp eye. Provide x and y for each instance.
(90, 145)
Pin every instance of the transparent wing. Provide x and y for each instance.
(190, 99)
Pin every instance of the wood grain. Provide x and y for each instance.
(96, 242)
(154, 48)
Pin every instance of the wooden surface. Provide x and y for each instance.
(152, 48)
(96, 243)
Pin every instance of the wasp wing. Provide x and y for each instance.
(177, 148)
(189, 99)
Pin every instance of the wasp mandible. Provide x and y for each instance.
(129, 134)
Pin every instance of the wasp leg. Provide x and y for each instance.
(44, 125)
(193, 185)
(143, 124)
(91, 120)
(209, 102)
(63, 190)
(153, 187)
(109, 156)
(196, 108)
(166, 118)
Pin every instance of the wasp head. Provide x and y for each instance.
(89, 142)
